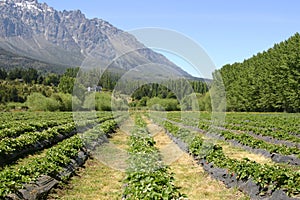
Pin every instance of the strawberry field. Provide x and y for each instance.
(255, 153)
(272, 135)
(49, 145)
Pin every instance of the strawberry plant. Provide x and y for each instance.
(268, 177)
(12, 178)
(147, 177)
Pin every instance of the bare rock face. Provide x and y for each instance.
(37, 31)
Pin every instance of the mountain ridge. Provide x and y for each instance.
(38, 31)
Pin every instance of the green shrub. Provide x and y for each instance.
(103, 101)
(38, 102)
(65, 101)
(98, 101)
(143, 102)
(163, 104)
(15, 106)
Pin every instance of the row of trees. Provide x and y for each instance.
(269, 81)
(173, 95)
(178, 88)
(27, 75)
(17, 84)
(18, 92)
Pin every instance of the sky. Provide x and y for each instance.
(228, 31)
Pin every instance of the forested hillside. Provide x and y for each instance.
(268, 81)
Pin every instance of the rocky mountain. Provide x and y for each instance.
(9, 60)
(67, 38)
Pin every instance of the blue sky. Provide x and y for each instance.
(229, 31)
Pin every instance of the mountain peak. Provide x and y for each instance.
(31, 5)
(35, 30)
(20, 1)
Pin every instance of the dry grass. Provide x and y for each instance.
(101, 178)
(112, 156)
(239, 154)
(199, 185)
(96, 181)
(114, 153)
(127, 126)
(169, 151)
(188, 174)
(120, 139)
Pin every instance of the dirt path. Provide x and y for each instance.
(101, 178)
(188, 174)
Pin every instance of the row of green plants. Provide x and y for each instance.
(12, 178)
(17, 123)
(255, 143)
(271, 121)
(86, 123)
(252, 141)
(105, 128)
(21, 123)
(11, 145)
(268, 177)
(192, 115)
(277, 134)
(248, 140)
(282, 122)
(9, 119)
(18, 129)
(147, 177)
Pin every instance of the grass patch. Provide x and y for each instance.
(94, 181)
(191, 177)
(239, 154)
(199, 185)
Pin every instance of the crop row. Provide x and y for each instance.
(278, 121)
(147, 177)
(281, 123)
(277, 134)
(9, 146)
(268, 177)
(25, 116)
(13, 177)
(255, 143)
(20, 128)
(249, 140)
(42, 121)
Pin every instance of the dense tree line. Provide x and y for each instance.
(27, 75)
(14, 91)
(152, 90)
(178, 88)
(172, 95)
(109, 80)
(18, 83)
(268, 81)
